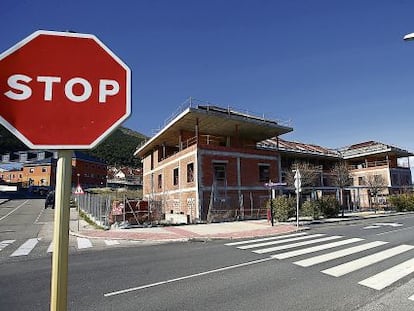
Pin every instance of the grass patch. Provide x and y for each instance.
(86, 218)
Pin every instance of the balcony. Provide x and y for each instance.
(204, 140)
(368, 165)
(381, 163)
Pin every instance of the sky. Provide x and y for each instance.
(338, 71)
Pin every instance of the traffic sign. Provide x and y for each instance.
(273, 185)
(61, 90)
(79, 190)
(298, 181)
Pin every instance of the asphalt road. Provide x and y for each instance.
(23, 218)
(210, 275)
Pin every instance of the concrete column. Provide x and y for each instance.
(197, 130)
(236, 135)
(239, 177)
(180, 140)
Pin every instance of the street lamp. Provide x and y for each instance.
(409, 37)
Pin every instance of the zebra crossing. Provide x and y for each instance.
(316, 249)
(14, 248)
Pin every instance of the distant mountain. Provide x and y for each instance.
(117, 149)
(8, 142)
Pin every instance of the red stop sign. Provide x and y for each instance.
(63, 90)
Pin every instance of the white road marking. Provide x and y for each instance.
(388, 224)
(280, 241)
(383, 224)
(5, 243)
(396, 230)
(249, 263)
(338, 254)
(366, 261)
(38, 217)
(371, 227)
(265, 239)
(282, 247)
(25, 248)
(11, 212)
(411, 298)
(50, 248)
(111, 242)
(389, 276)
(315, 248)
(83, 243)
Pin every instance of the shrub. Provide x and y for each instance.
(402, 202)
(329, 206)
(283, 208)
(311, 209)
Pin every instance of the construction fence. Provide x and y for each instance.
(107, 210)
(236, 206)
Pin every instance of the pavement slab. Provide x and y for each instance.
(224, 230)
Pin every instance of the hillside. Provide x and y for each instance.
(8, 142)
(116, 149)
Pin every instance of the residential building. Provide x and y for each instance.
(38, 168)
(209, 161)
(88, 171)
(367, 160)
(322, 159)
(364, 160)
(29, 168)
(124, 177)
(205, 163)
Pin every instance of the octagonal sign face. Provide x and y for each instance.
(63, 90)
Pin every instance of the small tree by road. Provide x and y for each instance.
(309, 174)
(375, 184)
(341, 178)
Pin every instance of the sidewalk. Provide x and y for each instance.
(203, 232)
(199, 232)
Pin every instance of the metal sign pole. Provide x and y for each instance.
(271, 206)
(297, 209)
(59, 283)
(272, 188)
(298, 188)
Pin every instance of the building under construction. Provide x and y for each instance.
(205, 162)
(211, 162)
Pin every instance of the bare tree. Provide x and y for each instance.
(375, 184)
(341, 178)
(309, 174)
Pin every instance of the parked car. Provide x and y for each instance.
(50, 199)
(40, 190)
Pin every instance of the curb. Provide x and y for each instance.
(190, 239)
(354, 218)
(2, 201)
(304, 226)
(72, 233)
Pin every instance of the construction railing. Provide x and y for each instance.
(95, 206)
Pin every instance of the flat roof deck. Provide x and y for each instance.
(213, 120)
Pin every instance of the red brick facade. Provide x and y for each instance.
(92, 172)
(185, 182)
